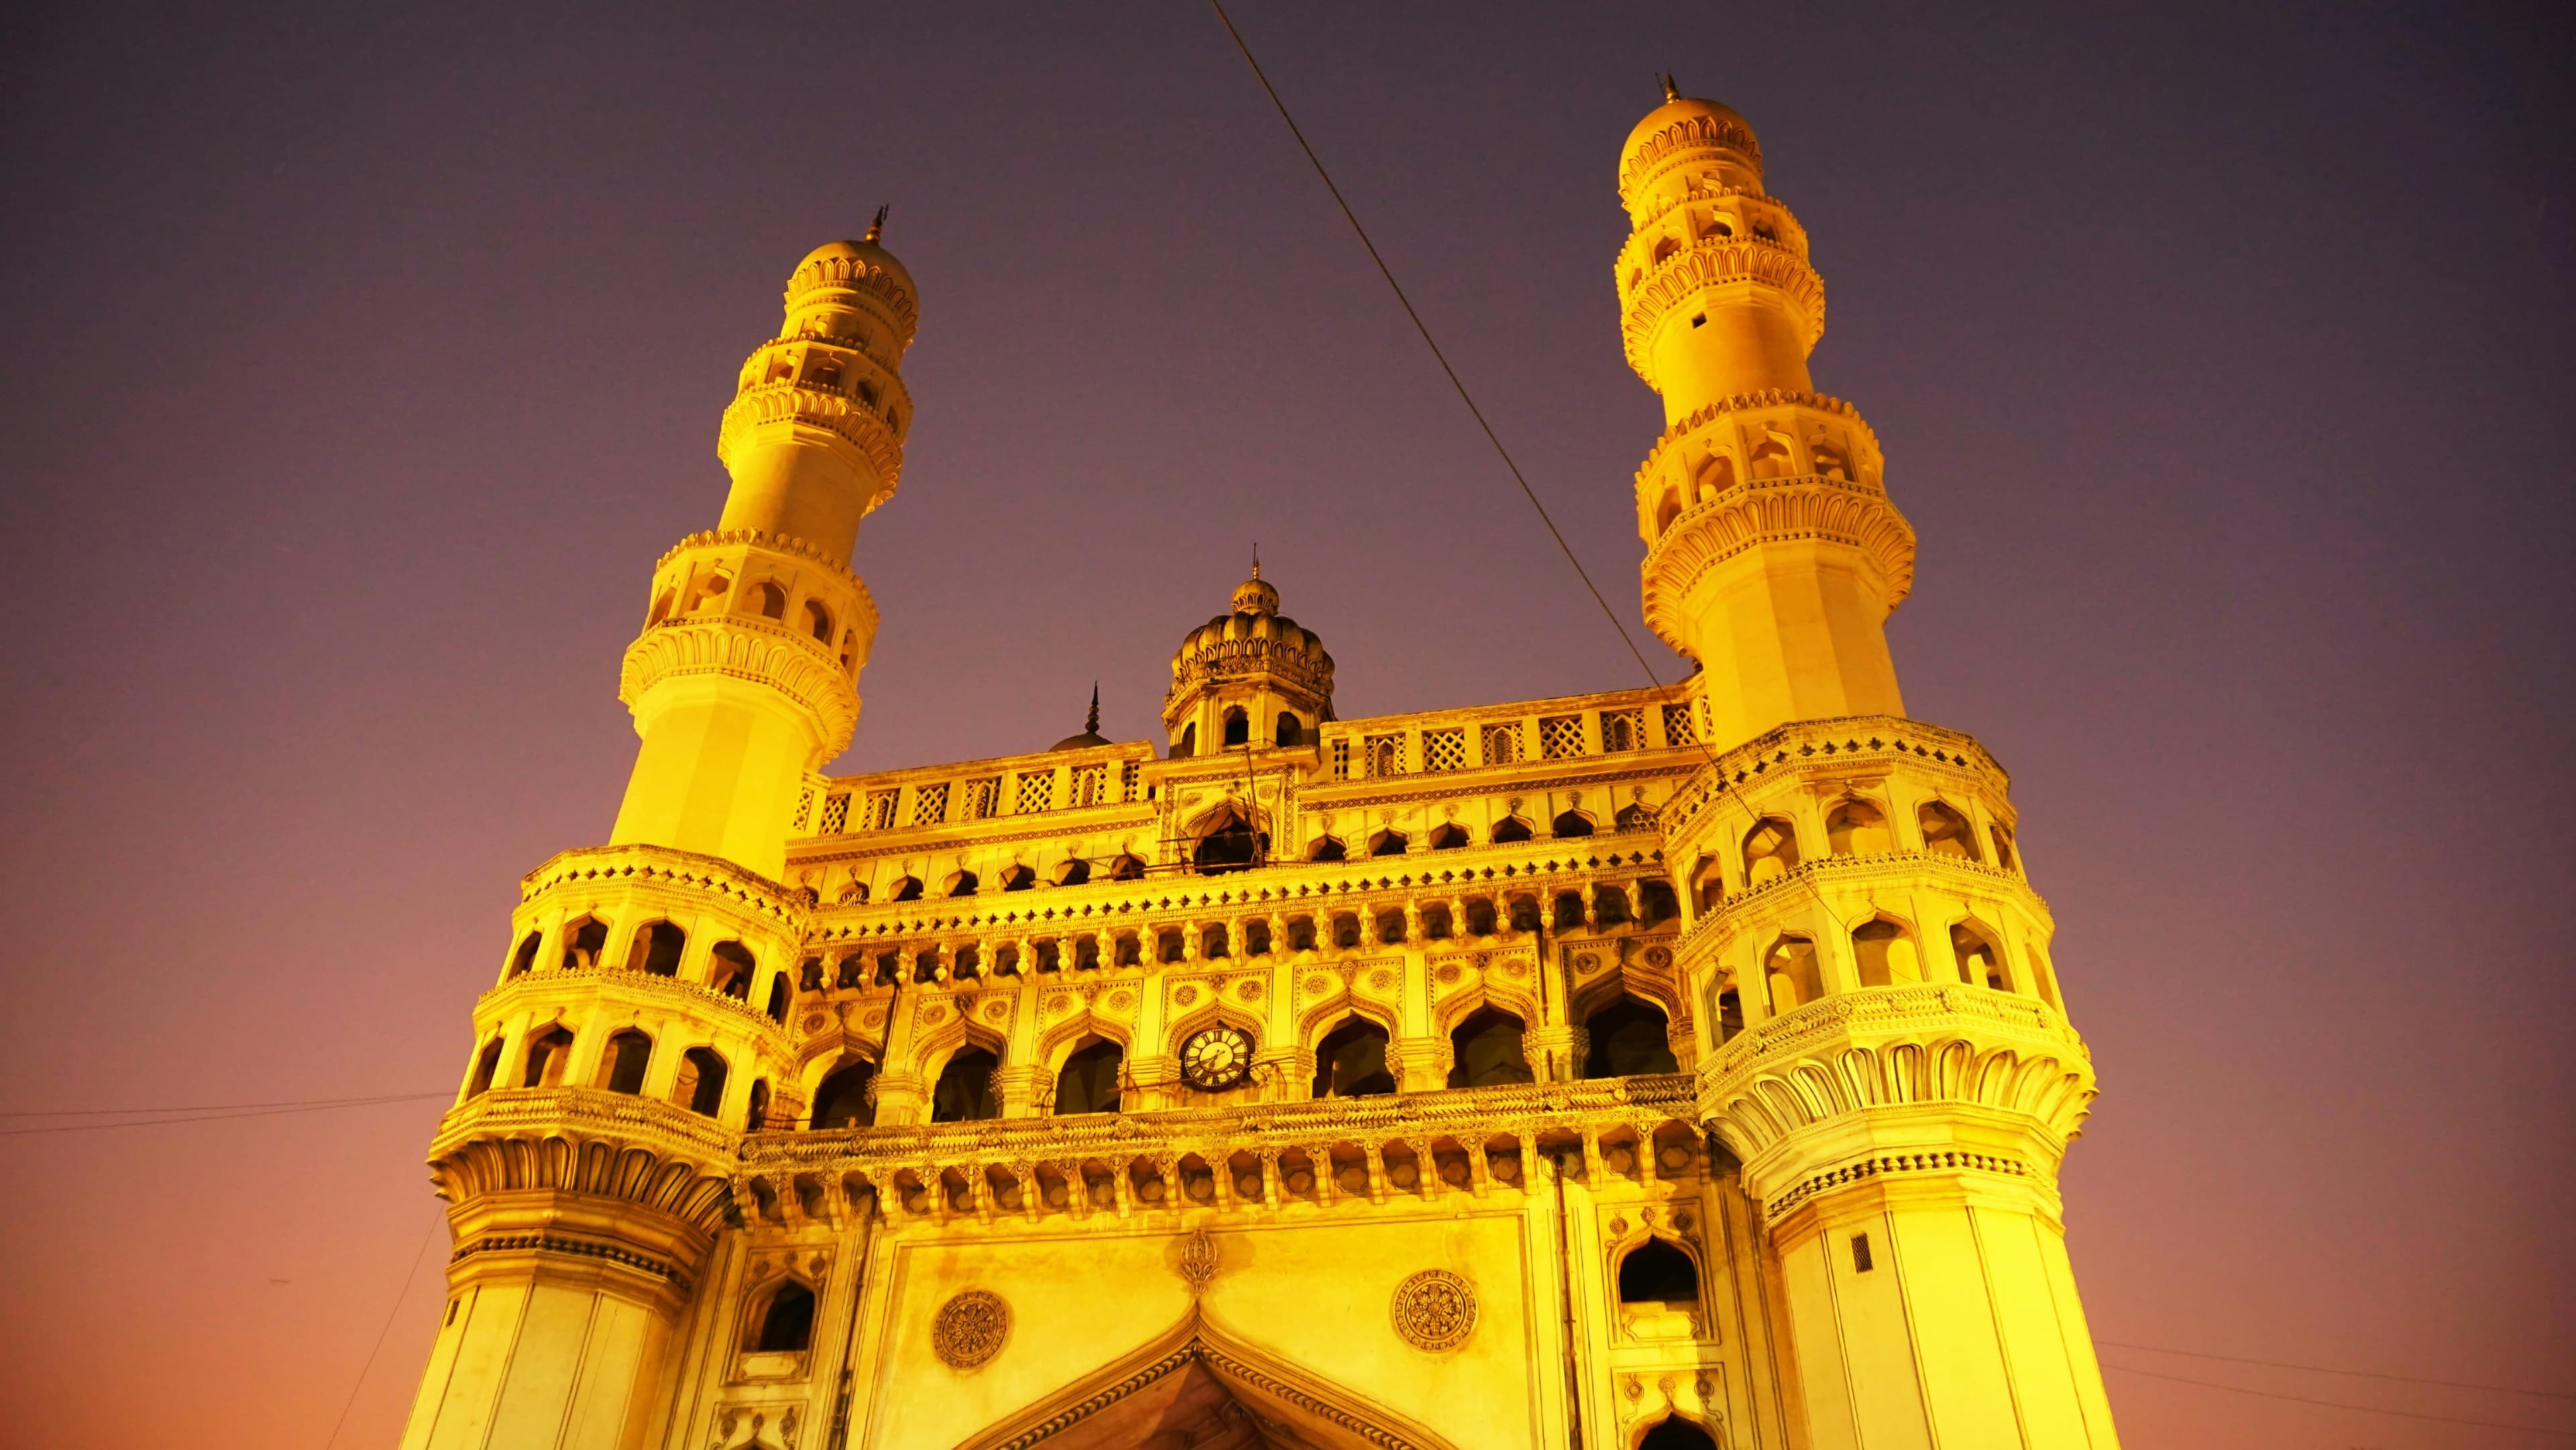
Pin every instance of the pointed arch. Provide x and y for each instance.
(1325, 1414)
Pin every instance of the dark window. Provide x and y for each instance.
(527, 954)
(1448, 837)
(701, 1083)
(788, 1326)
(662, 943)
(1677, 1435)
(1229, 845)
(1860, 1253)
(484, 1067)
(1573, 823)
(842, 1100)
(1351, 1061)
(1238, 727)
(1628, 1037)
(1657, 1272)
(964, 1093)
(1290, 731)
(1509, 829)
(588, 941)
(778, 993)
(1326, 848)
(628, 1052)
(730, 970)
(1486, 1049)
(1089, 1081)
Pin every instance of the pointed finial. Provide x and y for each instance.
(1091, 726)
(876, 228)
(1256, 561)
(1671, 93)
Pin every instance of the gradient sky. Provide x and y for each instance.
(357, 368)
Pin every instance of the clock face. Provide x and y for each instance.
(1216, 1059)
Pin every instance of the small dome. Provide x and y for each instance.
(1254, 597)
(1254, 635)
(1090, 735)
(1707, 123)
(832, 261)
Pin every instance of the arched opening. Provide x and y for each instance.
(486, 1065)
(1572, 823)
(778, 991)
(1708, 883)
(1436, 924)
(1076, 872)
(1664, 247)
(1884, 952)
(1656, 903)
(1790, 969)
(1510, 829)
(786, 1325)
(1980, 965)
(1390, 926)
(1770, 456)
(962, 882)
(1675, 1434)
(1448, 836)
(661, 608)
(1486, 1049)
(905, 888)
(768, 599)
(1018, 878)
(1628, 1037)
(1088, 1082)
(1830, 461)
(1388, 843)
(1569, 911)
(729, 969)
(1226, 843)
(843, 1100)
(1525, 916)
(526, 956)
(1326, 848)
(1256, 938)
(1657, 1272)
(1189, 741)
(1730, 1015)
(1480, 917)
(1946, 832)
(2003, 846)
(1610, 905)
(1291, 731)
(1168, 945)
(584, 940)
(964, 1092)
(1301, 934)
(1351, 1061)
(1213, 943)
(818, 620)
(1715, 476)
(1238, 727)
(1856, 828)
(1667, 509)
(1633, 818)
(701, 1083)
(755, 1111)
(657, 949)
(548, 1053)
(622, 1066)
(1770, 850)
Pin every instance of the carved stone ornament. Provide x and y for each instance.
(1197, 1262)
(1435, 1310)
(970, 1328)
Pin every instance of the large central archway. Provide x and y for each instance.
(1198, 1387)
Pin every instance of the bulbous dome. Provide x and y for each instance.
(1254, 638)
(1683, 123)
(833, 262)
(837, 278)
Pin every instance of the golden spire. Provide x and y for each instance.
(876, 228)
(1671, 93)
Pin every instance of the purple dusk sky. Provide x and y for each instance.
(359, 363)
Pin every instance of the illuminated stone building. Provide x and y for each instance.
(1664, 1067)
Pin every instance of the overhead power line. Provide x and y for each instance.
(399, 1296)
(2343, 1404)
(183, 1115)
(2368, 1374)
(1437, 355)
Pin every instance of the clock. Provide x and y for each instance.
(1216, 1059)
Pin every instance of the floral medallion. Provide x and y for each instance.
(1435, 1310)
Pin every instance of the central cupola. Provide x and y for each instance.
(1251, 678)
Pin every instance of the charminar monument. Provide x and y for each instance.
(1664, 1067)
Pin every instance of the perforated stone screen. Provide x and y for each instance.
(1560, 737)
(1444, 749)
(1503, 743)
(930, 804)
(1036, 793)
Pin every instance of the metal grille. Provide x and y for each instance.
(1622, 730)
(880, 815)
(1036, 793)
(1444, 749)
(1677, 725)
(983, 797)
(1090, 785)
(1503, 743)
(836, 816)
(1560, 737)
(1385, 754)
(930, 804)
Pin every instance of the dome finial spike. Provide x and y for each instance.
(1091, 726)
(1671, 92)
(1256, 559)
(876, 228)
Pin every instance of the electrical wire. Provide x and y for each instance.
(399, 1296)
(2342, 1404)
(213, 1117)
(1436, 354)
(189, 1108)
(2369, 1374)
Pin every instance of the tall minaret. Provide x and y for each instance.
(1780, 590)
(638, 1025)
(746, 676)
(1885, 1049)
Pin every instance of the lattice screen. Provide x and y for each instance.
(1622, 730)
(1677, 725)
(930, 804)
(1444, 749)
(1090, 785)
(983, 797)
(1342, 758)
(1503, 743)
(1036, 793)
(836, 816)
(1560, 737)
(880, 815)
(1385, 754)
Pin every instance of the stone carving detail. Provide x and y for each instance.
(969, 1329)
(1435, 1310)
(1197, 1263)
